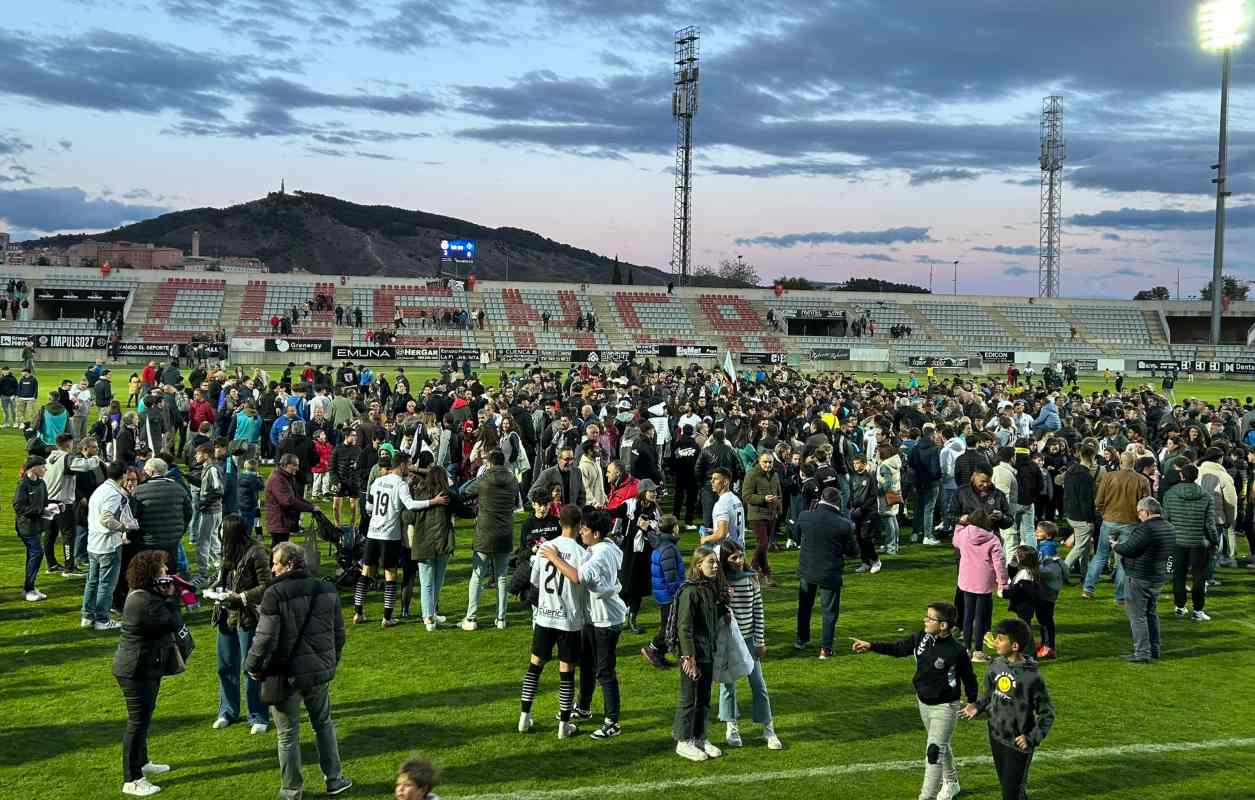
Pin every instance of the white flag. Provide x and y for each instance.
(728, 369)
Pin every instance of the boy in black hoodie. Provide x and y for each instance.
(941, 665)
(1019, 706)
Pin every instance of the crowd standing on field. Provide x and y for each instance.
(1034, 487)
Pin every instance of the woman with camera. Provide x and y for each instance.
(243, 577)
(147, 651)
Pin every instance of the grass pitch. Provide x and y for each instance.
(849, 725)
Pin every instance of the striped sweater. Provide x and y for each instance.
(747, 607)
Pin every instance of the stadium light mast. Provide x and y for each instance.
(1053, 152)
(1222, 26)
(683, 108)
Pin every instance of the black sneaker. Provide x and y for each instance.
(608, 730)
(576, 713)
(54, 569)
(338, 785)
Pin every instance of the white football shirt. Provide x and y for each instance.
(563, 603)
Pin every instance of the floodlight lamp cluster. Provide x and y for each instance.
(1223, 24)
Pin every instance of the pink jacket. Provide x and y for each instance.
(982, 566)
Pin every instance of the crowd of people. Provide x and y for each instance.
(1035, 488)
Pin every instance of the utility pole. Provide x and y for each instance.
(956, 276)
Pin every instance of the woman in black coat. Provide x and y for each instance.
(149, 619)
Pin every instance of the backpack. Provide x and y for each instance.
(1224, 512)
(672, 635)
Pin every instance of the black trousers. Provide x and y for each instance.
(977, 616)
(693, 709)
(659, 642)
(1012, 765)
(1190, 560)
(685, 498)
(63, 524)
(1046, 620)
(141, 700)
(597, 666)
(708, 505)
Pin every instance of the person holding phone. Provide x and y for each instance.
(150, 616)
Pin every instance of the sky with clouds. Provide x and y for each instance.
(834, 139)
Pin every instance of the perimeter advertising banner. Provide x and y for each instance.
(298, 345)
(760, 359)
(56, 341)
(677, 350)
(949, 362)
(830, 354)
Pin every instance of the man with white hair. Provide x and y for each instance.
(162, 508)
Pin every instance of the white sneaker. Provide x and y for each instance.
(931, 541)
(140, 788)
(733, 736)
(1180, 612)
(34, 596)
(773, 741)
(155, 769)
(1201, 616)
(258, 729)
(949, 791)
(525, 722)
(710, 750)
(441, 619)
(862, 568)
(220, 723)
(501, 623)
(111, 625)
(567, 729)
(468, 625)
(430, 626)
(690, 751)
(876, 567)
(85, 622)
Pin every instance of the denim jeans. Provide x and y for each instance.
(829, 606)
(10, 409)
(843, 486)
(939, 722)
(80, 546)
(925, 508)
(34, 556)
(481, 563)
(287, 716)
(431, 580)
(102, 576)
(233, 645)
(949, 491)
(1109, 529)
(1143, 616)
(761, 713)
(889, 531)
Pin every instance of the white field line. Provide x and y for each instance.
(723, 778)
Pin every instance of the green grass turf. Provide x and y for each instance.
(453, 696)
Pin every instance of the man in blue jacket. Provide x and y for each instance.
(1047, 417)
(666, 567)
(826, 538)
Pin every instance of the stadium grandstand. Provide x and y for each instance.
(430, 319)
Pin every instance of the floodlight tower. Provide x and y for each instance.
(1222, 25)
(1053, 152)
(683, 107)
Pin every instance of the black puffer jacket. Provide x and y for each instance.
(148, 619)
(312, 661)
(162, 508)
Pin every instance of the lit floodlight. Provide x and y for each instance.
(1222, 24)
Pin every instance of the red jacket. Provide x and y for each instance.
(148, 375)
(199, 411)
(283, 504)
(621, 493)
(324, 457)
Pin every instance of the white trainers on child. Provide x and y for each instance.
(733, 735)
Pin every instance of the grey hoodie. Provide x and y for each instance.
(1017, 701)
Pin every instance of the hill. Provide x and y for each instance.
(328, 236)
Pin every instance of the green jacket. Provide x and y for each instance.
(429, 533)
(755, 488)
(498, 493)
(697, 620)
(1192, 513)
